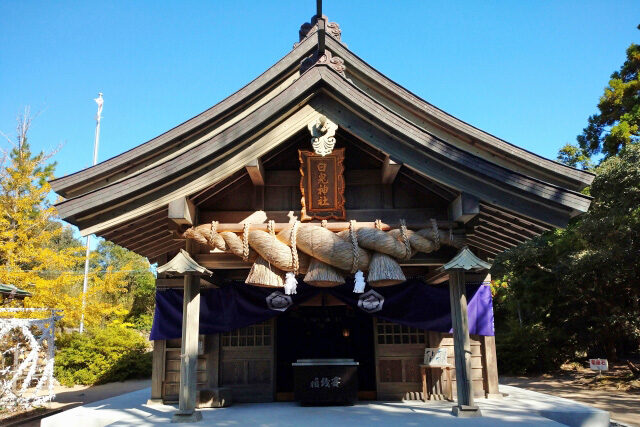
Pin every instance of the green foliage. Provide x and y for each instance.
(528, 349)
(574, 156)
(617, 124)
(138, 280)
(102, 355)
(579, 288)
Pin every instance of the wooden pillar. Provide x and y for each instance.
(157, 372)
(189, 351)
(159, 357)
(461, 346)
(491, 367)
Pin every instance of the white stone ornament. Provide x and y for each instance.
(322, 135)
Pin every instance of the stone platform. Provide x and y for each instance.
(519, 408)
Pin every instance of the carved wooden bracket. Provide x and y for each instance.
(322, 135)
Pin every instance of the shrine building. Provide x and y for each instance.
(322, 235)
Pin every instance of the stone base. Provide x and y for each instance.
(214, 398)
(466, 411)
(152, 402)
(188, 417)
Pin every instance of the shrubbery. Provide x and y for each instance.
(113, 353)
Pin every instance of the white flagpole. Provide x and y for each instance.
(96, 141)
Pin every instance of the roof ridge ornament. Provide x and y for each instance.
(334, 62)
(308, 28)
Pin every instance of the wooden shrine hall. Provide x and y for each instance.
(322, 212)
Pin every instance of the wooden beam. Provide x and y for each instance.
(504, 237)
(464, 208)
(516, 230)
(145, 237)
(122, 239)
(226, 261)
(182, 211)
(504, 231)
(152, 246)
(256, 172)
(483, 245)
(178, 282)
(493, 237)
(415, 218)
(152, 255)
(436, 277)
(135, 224)
(518, 219)
(461, 345)
(390, 169)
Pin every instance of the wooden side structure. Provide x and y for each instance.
(237, 163)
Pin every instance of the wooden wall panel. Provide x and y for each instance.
(247, 363)
(171, 379)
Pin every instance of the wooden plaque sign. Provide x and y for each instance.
(322, 185)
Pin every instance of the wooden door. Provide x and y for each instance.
(247, 362)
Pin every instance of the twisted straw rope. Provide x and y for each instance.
(214, 229)
(245, 242)
(294, 248)
(354, 242)
(276, 249)
(436, 234)
(271, 227)
(405, 239)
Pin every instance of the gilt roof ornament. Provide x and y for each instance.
(322, 135)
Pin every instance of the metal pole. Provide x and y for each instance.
(96, 141)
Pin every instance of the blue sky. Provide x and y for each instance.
(529, 72)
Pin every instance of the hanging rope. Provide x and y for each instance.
(290, 283)
(214, 230)
(323, 223)
(354, 243)
(245, 243)
(294, 248)
(436, 233)
(378, 224)
(271, 227)
(405, 239)
(358, 283)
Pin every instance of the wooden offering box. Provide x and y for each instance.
(325, 381)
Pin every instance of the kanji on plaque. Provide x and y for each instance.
(322, 185)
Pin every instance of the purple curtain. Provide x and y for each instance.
(235, 305)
